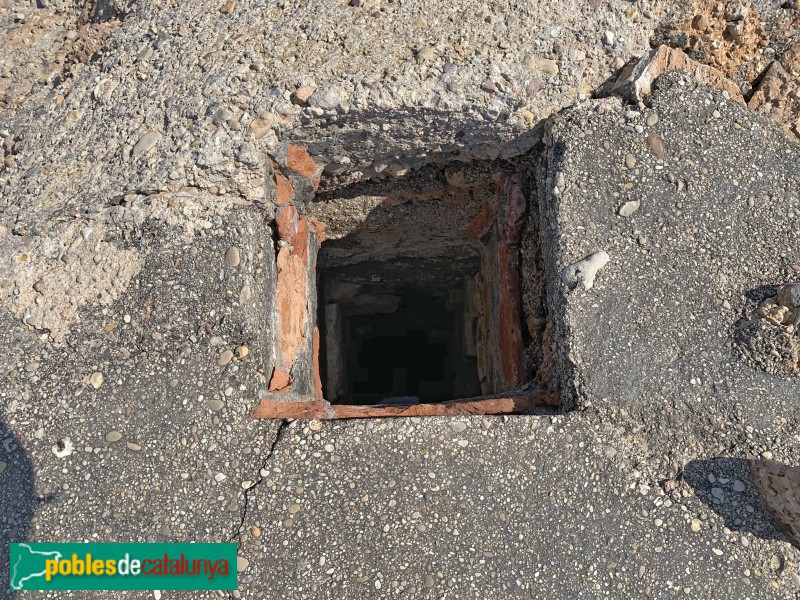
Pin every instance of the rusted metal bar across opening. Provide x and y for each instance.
(270, 408)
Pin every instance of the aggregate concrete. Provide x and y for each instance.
(633, 494)
(131, 169)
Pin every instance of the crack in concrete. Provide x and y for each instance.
(237, 534)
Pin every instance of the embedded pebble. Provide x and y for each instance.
(216, 404)
(652, 119)
(232, 257)
(796, 580)
(96, 380)
(146, 142)
(630, 160)
(458, 426)
(113, 436)
(657, 146)
(425, 54)
(225, 357)
(627, 209)
(242, 351)
(326, 99)
(546, 66)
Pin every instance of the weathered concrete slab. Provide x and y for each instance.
(137, 154)
(717, 219)
(514, 507)
(643, 493)
(159, 446)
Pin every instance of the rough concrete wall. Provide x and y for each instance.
(496, 232)
(198, 297)
(186, 95)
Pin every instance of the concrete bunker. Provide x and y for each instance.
(414, 297)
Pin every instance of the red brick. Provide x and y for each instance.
(481, 223)
(275, 409)
(280, 381)
(287, 221)
(291, 298)
(271, 408)
(299, 160)
(318, 227)
(516, 205)
(285, 189)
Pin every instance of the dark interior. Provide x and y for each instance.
(411, 355)
(389, 340)
(398, 303)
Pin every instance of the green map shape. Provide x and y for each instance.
(30, 564)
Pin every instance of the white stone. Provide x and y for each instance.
(585, 270)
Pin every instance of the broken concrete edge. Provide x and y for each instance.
(776, 93)
(776, 481)
(294, 408)
(637, 77)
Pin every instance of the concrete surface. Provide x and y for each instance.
(125, 393)
(565, 506)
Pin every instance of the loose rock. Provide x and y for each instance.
(585, 270)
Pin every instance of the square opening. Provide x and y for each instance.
(424, 299)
